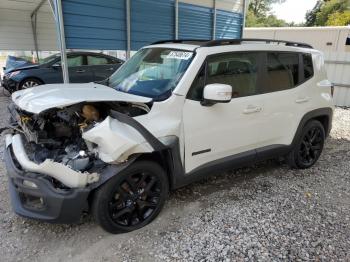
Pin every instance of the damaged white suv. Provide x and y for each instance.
(175, 112)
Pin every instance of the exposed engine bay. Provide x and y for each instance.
(56, 134)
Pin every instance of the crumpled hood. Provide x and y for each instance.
(20, 68)
(41, 98)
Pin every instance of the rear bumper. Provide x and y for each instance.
(42, 201)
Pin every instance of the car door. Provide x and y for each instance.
(79, 71)
(285, 97)
(102, 66)
(224, 129)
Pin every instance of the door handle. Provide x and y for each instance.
(252, 109)
(80, 71)
(302, 100)
(110, 69)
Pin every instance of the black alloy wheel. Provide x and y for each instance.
(309, 146)
(131, 199)
(134, 199)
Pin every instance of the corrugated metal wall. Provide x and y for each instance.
(195, 22)
(94, 24)
(228, 24)
(151, 20)
(338, 71)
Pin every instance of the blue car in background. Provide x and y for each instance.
(13, 62)
(83, 67)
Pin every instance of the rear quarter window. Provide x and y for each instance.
(307, 66)
(281, 72)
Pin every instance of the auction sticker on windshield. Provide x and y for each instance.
(179, 55)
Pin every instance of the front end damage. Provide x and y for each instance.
(54, 159)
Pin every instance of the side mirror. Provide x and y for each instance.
(56, 66)
(216, 93)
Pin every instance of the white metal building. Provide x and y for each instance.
(334, 42)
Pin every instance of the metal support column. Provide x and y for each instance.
(128, 30)
(61, 39)
(176, 19)
(33, 19)
(244, 11)
(214, 21)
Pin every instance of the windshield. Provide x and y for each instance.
(152, 72)
(49, 59)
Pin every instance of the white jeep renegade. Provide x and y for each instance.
(173, 113)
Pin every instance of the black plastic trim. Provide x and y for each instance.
(201, 152)
(221, 42)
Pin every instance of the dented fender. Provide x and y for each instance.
(120, 136)
(114, 138)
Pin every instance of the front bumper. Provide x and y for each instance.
(44, 201)
(59, 171)
(9, 84)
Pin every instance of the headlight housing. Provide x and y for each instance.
(14, 73)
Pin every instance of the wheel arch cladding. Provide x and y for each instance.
(323, 115)
(164, 159)
(324, 119)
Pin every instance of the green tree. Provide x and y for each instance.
(328, 12)
(328, 8)
(260, 8)
(311, 15)
(339, 19)
(258, 14)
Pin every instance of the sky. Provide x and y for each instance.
(293, 10)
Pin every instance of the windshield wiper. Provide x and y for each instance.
(104, 82)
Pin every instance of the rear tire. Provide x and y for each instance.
(308, 147)
(132, 199)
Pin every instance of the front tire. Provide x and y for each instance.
(131, 199)
(309, 146)
(28, 83)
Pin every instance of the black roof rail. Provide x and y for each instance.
(221, 42)
(180, 41)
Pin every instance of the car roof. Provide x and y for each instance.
(88, 53)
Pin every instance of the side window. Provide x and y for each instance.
(236, 69)
(75, 61)
(97, 60)
(308, 67)
(282, 72)
(196, 90)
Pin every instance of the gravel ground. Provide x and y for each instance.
(266, 212)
